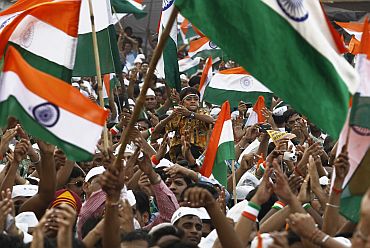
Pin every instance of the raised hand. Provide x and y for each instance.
(248, 161)
(295, 182)
(45, 147)
(302, 224)
(21, 150)
(341, 165)
(281, 185)
(197, 197)
(112, 182)
(265, 189)
(5, 140)
(126, 217)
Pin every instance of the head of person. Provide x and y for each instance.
(184, 81)
(278, 116)
(22, 193)
(143, 124)
(189, 98)
(150, 100)
(137, 239)
(291, 118)
(178, 185)
(91, 183)
(159, 95)
(189, 220)
(63, 196)
(144, 67)
(76, 181)
(127, 47)
(141, 208)
(194, 82)
(128, 31)
(164, 233)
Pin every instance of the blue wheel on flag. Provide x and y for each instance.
(212, 45)
(47, 114)
(294, 9)
(167, 4)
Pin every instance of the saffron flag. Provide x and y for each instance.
(53, 111)
(106, 37)
(235, 85)
(206, 77)
(168, 67)
(220, 147)
(357, 129)
(44, 33)
(256, 114)
(287, 45)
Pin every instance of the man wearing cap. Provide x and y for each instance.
(189, 220)
(188, 121)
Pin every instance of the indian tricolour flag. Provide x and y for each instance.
(106, 36)
(168, 67)
(353, 28)
(235, 85)
(220, 147)
(109, 81)
(189, 66)
(49, 109)
(44, 32)
(287, 45)
(204, 48)
(206, 77)
(128, 7)
(357, 129)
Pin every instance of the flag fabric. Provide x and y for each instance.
(255, 115)
(189, 66)
(106, 36)
(357, 129)
(189, 30)
(49, 109)
(110, 82)
(44, 32)
(300, 64)
(204, 48)
(206, 77)
(128, 7)
(354, 46)
(352, 28)
(235, 85)
(220, 147)
(168, 67)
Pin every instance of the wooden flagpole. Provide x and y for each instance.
(234, 181)
(98, 72)
(141, 99)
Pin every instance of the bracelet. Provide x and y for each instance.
(252, 210)
(326, 237)
(331, 205)
(38, 161)
(306, 206)
(278, 205)
(337, 191)
(262, 167)
(113, 204)
(154, 160)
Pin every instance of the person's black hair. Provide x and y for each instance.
(159, 89)
(142, 202)
(205, 185)
(52, 243)
(77, 172)
(179, 244)
(265, 208)
(194, 80)
(289, 113)
(136, 235)
(136, 90)
(188, 90)
(196, 151)
(10, 241)
(128, 28)
(146, 121)
(329, 143)
(160, 171)
(278, 119)
(164, 231)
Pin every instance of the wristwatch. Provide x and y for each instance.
(192, 115)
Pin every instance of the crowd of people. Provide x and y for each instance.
(287, 191)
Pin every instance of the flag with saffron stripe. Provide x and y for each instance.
(53, 111)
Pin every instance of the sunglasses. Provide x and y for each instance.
(77, 184)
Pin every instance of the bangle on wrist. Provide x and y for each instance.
(306, 206)
(332, 205)
(278, 205)
(113, 204)
(252, 210)
(38, 160)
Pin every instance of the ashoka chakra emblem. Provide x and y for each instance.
(47, 114)
(246, 82)
(167, 4)
(212, 45)
(294, 9)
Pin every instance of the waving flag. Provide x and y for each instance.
(353, 28)
(128, 7)
(44, 32)
(168, 67)
(220, 147)
(204, 48)
(49, 109)
(189, 66)
(235, 85)
(256, 114)
(106, 36)
(357, 129)
(289, 46)
(206, 77)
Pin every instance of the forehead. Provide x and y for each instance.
(294, 117)
(150, 97)
(190, 219)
